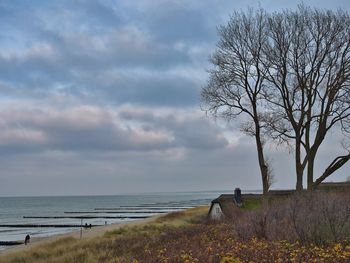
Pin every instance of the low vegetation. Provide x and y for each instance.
(316, 218)
(308, 228)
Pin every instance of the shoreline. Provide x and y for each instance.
(86, 234)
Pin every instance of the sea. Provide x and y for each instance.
(51, 215)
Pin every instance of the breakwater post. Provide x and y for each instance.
(81, 229)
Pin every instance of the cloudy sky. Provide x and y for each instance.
(102, 97)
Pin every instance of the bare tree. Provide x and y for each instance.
(308, 66)
(289, 74)
(237, 79)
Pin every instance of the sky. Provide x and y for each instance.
(103, 97)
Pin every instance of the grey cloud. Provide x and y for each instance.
(180, 23)
(155, 90)
(71, 40)
(192, 131)
(93, 129)
(195, 133)
(79, 130)
(138, 114)
(126, 46)
(78, 62)
(188, 21)
(98, 14)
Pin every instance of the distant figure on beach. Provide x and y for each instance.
(27, 239)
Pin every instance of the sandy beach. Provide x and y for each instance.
(86, 234)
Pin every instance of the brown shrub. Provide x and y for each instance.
(318, 218)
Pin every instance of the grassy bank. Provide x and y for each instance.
(181, 237)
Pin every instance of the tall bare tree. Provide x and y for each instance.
(308, 65)
(237, 79)
(289, 74)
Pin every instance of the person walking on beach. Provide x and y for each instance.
(27, 239)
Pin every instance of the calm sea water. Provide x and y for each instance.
(13, 210)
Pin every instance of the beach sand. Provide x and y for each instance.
(86, 234)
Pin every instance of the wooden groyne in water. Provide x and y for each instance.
(154, 206)
(167, 209)
(133, 208)
(116, 212)
(11, 243)
(45, 225)
(85, 217)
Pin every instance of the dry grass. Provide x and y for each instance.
(318, 218)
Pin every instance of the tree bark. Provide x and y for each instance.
(310, 172)
(298, 166)
(262, 164)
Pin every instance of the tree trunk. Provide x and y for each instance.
(312, 156)
(262, 163)
(298, 166)
(310, 172)
(299, 184)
